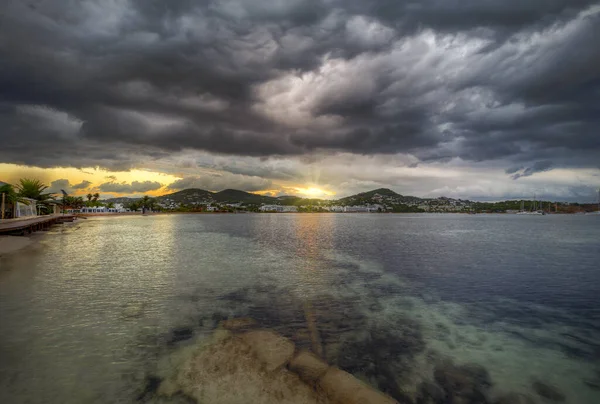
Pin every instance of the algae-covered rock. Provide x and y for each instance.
(547, 391)
(514, 398)
(342, 387)
(308, 366)
(463, 384)
(430, 393)
(273, 350)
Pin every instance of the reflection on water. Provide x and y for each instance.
(427, 308)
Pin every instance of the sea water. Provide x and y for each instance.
(401, 301)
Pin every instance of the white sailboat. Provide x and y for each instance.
(533, 211)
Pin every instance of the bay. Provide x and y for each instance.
(88, 314)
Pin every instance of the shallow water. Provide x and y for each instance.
(87, 315)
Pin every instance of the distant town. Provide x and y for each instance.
(31, 198)
(381, 200)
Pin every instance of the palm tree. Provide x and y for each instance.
(10, 196)
(96, 196)
(133, 206)
(74, 202)
(89, 197)
(34, 189)
(145, 203)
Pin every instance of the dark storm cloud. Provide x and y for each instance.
(537, 167)
(134, 187)
(113, 84)
(64, 184)
(219, 182)
(82, 185)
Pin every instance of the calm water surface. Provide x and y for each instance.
(87, 315)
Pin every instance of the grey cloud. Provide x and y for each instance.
(57, 185)
(82, 185)
(134, 187)
(537, 167)
(64, 184)
(118, 84)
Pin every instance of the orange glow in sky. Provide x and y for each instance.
(313, 192)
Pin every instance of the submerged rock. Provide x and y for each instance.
(383, 355)
(180, 334)
(592, 384)
(463, 384)
(273, 350)
(430, 393)
(231, 370)
(151, 385)
(547, 391)
(309, 366)
(342, 387)
(514, 398)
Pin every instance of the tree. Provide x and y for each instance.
(89, 197)
(10, 196)
(110, 205)
(146, 203)
(133, 205)
(96, 196)
(74, 202)
(33, 189)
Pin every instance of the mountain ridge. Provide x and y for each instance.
(229, 195)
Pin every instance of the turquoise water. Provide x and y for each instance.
(401, 301)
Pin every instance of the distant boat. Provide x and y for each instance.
(534, 209)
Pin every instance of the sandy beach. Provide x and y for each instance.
(9, 244)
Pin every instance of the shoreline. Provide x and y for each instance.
(88, 215)
(12, 244)
(15, 245)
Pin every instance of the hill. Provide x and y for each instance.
(196, 196)
(378, 196)
(235, 196)
(188, 196)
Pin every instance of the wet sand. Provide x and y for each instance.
(11, 244)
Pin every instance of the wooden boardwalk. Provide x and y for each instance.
(29, 225)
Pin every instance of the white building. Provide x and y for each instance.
(118, 208)
(349, 209)
(24, 210)
(278, 208)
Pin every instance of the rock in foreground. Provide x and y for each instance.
(229, 372)
(342, 387)
(308, 366)
(273, 350)
(259, 366)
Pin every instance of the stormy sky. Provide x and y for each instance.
(483, 99)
